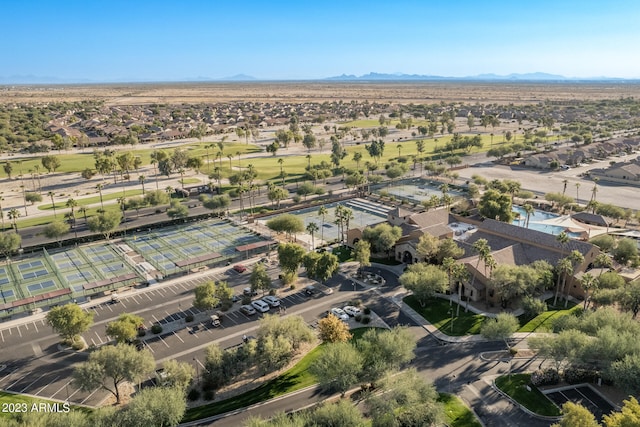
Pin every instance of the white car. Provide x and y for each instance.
(271, 300)
(351, 310)
(339, 313)
(260, 306)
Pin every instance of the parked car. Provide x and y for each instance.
(248, 292)
(351, 310)
(248, 310)
(339, 313)
(271, 300)
(236, 298)
(240, 268)
(215, 320)
(310, 290)
(260, 306)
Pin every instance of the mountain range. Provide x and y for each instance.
(370, 77)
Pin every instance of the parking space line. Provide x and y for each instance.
(35, 326)
(1, 336)
(92, 393)
(42, 321)
(173, 290)
(16, 382)
(74, 393)
(165, 343)
(148, 297)
(200, 363)
(26, 326)
(133, 297)
(123, 304)
(93, 342)
(148, 347)
(61, 388)
(109, 307)
(32, 382)
(178, 336)
(10, 331)
(155, 318)
(96, 332)
(50, 382)
(18, 328)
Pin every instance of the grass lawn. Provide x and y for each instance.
(90, 200)
(296, 378)
(436, 311)
(10, 398)
(515, 386)
(457, 413)
(544, 321)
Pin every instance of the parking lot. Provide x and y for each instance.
(584, 395)
(31, 361)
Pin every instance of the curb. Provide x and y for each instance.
(522, 408)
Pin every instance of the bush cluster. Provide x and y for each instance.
(579, 375)
(545, 377)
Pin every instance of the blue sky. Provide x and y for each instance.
(182, 39)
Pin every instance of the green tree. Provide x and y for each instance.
(382, 237)
(362, 254)
(110, 366)
(177, 210)
(501, 328)
(8, 168)
(320, 266)
(105, 223)
(55, 230)
(290, 257)
(125, 328)
(207, 296)
(576, 415)
(277, 194)
(625, 251)
(338, 366)
(156, 197)
(312, 228)
(33, 197)
(154, 406)
(178, 374)
(496, 205)
(286, 223)
(342, 413)
(385, 351)
(69, 321)
(50, 163)
(630, 297)
(406, 400)
(448, 248)
(424, 280)
(427, 247)
(9, 243)
(260, 279)
(626, 373)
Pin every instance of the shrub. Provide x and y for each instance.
(156, 329)
(545, 377)
(533, 306)
(579, 375)
(208, 394)
(77, 345)
(142, 332)
(188, 318)
(366, 310)
(194, 394)
(366, 320)
(358, 318)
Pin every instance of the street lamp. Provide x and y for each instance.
(451, 311)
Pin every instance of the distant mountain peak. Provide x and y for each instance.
(238, 78)
(535, 76)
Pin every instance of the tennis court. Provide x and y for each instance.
(416, 190)
(364, 213)
(584, 395)
(182, 247)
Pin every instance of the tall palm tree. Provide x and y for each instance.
(2, 212)
(238, 153)
(72, 203)
(83, 211)
(564, 189)
(322, 212)
(588, 282)
(563, 239)
(312, 228)
(99, 188)
(594, 190)
(53, 204)
(399, 149)
(141, 180)
(577, 188)
(13, 215)
(230, 157)
(528, 209)
(482, 248)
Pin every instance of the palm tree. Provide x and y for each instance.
(482, 248)
(230, 157)
(357, 157)
(322, 212)
(528, 209)
(588, 282)
(602, 261)
(239, 164)
(564, 189)
(312, 228)
(563, 239)
(399, 149)
(83, 211)
(53, 204)
(71, 203)
(181, 172)
(141, 180)
(2, 212)
(219, 157)
(577, 188)
(595, 189)
(14, 214)
(99, 188)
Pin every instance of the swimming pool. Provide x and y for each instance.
(535, 222)
(536, 216)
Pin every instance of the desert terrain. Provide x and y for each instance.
(517, 93)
